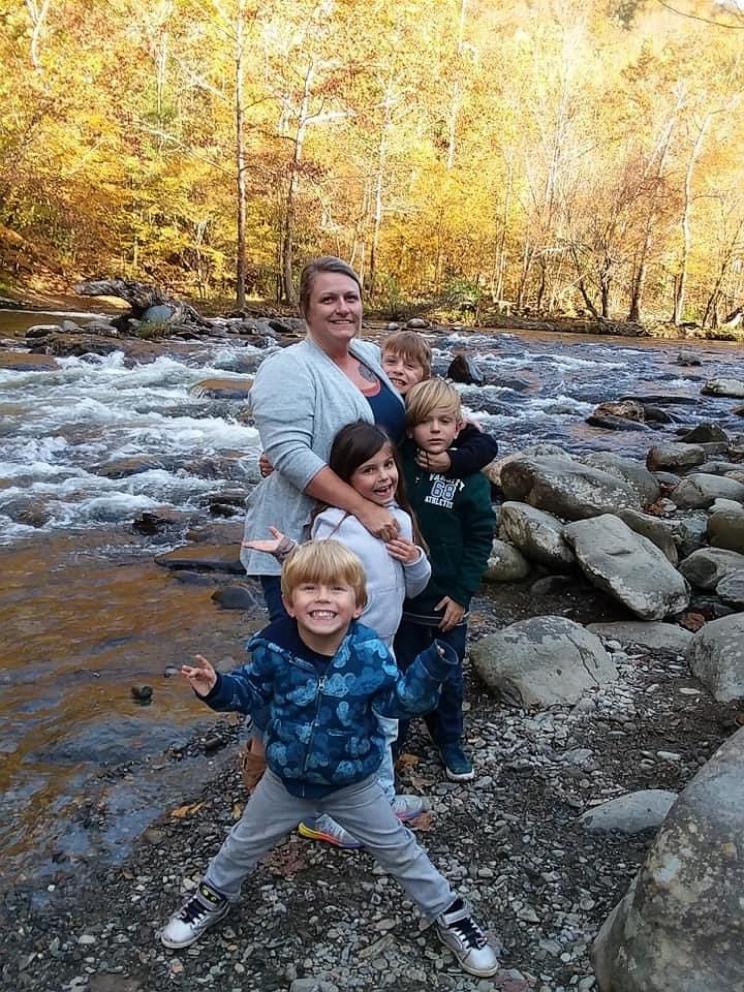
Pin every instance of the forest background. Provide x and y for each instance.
(570, 156)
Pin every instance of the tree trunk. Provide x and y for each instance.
(294, 179)
(680, 278)
(37, 12)
(240, 155)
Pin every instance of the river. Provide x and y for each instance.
(85, 613)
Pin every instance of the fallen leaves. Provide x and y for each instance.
(181, 812)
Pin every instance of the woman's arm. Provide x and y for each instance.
(327, 488)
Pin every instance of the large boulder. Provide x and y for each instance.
(537, 534)
(661, 532)
(493, 470)
(543, 661)
(716, 657)
(646, 634)
(699, 490)
(706, 567)
(629, 470)
(724, 387)
(628, 566)
(565, 487)
(680, 927)
(674, 456)
(726, 529)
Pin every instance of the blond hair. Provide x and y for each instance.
(327, 562)
(430, 395)
(411, 347)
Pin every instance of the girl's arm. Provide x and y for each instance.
(278, 545)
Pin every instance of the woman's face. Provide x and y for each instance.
(334, 312)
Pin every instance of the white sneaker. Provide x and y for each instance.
(409, 807)
(325, 828)
(458, 930)
(200, 911)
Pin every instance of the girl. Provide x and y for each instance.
(364, 457)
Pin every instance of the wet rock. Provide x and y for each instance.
(505, 564)
(726, 529)
(204, 558)
(716, 657)
(627, 566)
(652, 635)
(704, 433)
(670, 399)
(618, 415)
(122, 468)
(19, 361)
(724, 387)
(674, 455)
(222, 532)
(235, 598)
(688, 358)
(731, 589)
(631, 813)
(718, 467)
(543, 661)
(151, 521)
(464, 369)
(537, 534)
(222, 389)
(565, 487)
(706, 567)
(661, 532)
(141, 693)
(698, 490)
(628, 470)
(418, 323)
(680, 926)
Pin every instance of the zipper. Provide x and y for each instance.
(321, 687)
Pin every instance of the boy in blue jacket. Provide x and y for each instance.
(323, 678)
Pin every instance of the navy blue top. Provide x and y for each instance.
(389, 412)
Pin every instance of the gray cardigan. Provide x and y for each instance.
(300, 400)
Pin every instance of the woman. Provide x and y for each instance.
(301, 398)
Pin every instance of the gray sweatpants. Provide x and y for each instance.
(362, 809)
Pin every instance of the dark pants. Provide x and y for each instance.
(445, 723)
(272, 590)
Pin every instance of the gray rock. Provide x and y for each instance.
(629, 470)
(699, 490)
(542, 661)
(688, 358)
(661, 532)
(690, 531)
(675, 455)
(222, 389)
(716, 657)
(704, 433)
(726, 529)
(652, 635)
(731, 589)
(631, 813)
(537, 534)
(628, 566)
(506, 564)
(565, 487)
(706, 567)
(680, 927)
(493, 470)
(724, 387)
(717, 467)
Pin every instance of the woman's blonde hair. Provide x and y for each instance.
(432, 394)
(327, 562)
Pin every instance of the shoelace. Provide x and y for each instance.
(470, 932)
(194, 910)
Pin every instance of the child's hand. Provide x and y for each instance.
(440, 462)
(453, 613)
(264, 465)
(201, 676)
(270, 546)
(402, 550)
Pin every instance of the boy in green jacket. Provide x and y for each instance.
(456, 521)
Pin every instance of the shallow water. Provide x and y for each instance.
(85, 613)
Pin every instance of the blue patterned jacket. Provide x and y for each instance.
(322, 727)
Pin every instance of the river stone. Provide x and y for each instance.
(221, 389)
(675, 455)
(506, 564)
(629, 470)
(493, 470)
(628, 566)
(726, 529)
(680, 927)
(543, 661)
(19, 361)
(122, 468)
(724, 387)
(718, 467)
(690, 530)
(464, 369)
(536, 533)
(652, 634)
(565, 487)
(204, 558)
(631, 813)
(706, 567)
(704, 432)
(716, 657)
(698, 490)
(731, 589)
(661, 532)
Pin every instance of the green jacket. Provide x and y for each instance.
(456, 521)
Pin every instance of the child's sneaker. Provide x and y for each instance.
(200, 911)
(457, 765)
(409, 807)
(458, 930)
(324, 827)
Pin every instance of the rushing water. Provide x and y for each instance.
(84, 612)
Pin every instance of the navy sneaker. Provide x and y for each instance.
(457, 765)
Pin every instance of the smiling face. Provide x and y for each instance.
(377, 478)
(437, 430)
(403, 372)
(334, 311)
(323, 611)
